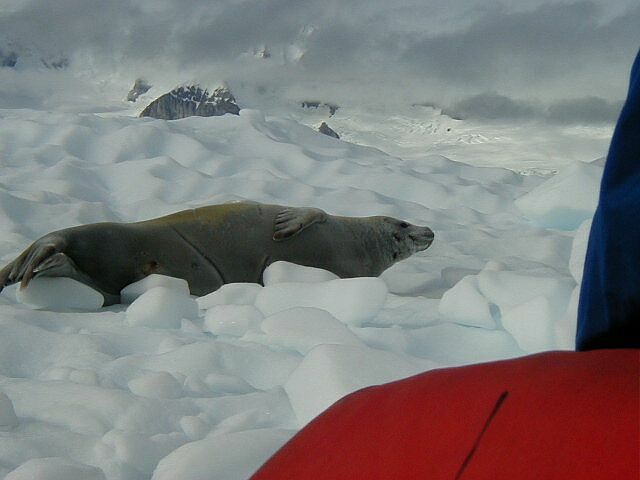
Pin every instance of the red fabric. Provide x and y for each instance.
(557, 415)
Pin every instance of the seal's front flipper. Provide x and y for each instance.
(291, 221)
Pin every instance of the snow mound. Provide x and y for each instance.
(8, 418)
(55, 468)
(232, 456)
(161, 307)
(350, 300)
(329, 372)
(302, 329)
(60, 294)
(566, 199)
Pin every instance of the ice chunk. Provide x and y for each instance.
(579, 250)
(134, 290)
(8, 418)
(156, 385)
(566, 199)
(231, 293)
(351, 300)
(510, 289)
(532, 325)
(452, 344)
(281, 272)
(230, 456)
(60, 293)
(465, 304)
(219, 383)
(565, 328)
(303, 328)
(55, 468)
(329, 372)
(234, 320)
(161, 307)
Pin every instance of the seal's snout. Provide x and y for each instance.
(423, 238)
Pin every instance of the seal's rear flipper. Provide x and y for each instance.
(57, 265)
(291, 221)
(4, 276)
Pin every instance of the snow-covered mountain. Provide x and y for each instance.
(192, 100)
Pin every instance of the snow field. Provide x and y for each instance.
(170, 386)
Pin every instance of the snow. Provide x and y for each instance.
(133, 291)
(233, 456)
(465, 304)
(60, 294)
(579, 250)
(156, 385)
(565, 200)
(231, 294)
(303, 328)
(161, 307)
(55, 468)
(279, 272)
(329, 372)
(171, 386)
(234, 320)
(8, 417)
(351, 300)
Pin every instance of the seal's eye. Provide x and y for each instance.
(404, 225)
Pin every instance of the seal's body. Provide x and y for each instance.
(218, 244)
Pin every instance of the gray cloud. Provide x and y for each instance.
(584, 110)
(546, 49)
(491, 106)
(354, 50)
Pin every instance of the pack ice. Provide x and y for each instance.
(170, 386)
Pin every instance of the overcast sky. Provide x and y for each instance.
(568, 58)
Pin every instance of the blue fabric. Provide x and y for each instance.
(609, 310)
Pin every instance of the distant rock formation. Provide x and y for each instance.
(8, 59)
(314, 104)
(139, 88)
(192, 101)
(261, 52)
(327, 130)
(59, 63)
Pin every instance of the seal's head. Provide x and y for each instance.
(406, 239)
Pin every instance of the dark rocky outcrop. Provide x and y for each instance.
(327, 130)
(8, 59)
(192, 101)
(314, 104)
(140, 87)
(55, 63)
